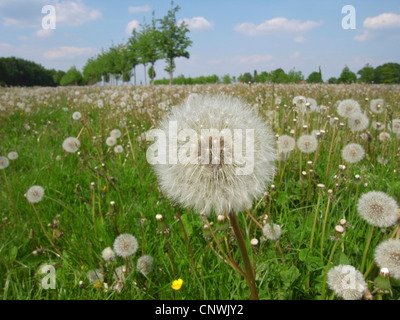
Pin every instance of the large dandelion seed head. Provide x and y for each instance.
(71, 144)
(358, 122)
(13, 155)
(125, 245)
(347, 282)
(348, 107)
(353, 152)
(76, 115)
(225, 156)
(116, 133)
(378, 209)
(272, 231)
(4, 162)
(387, 255)
(377, 105)
(108, 254)
(307, 143)
(35, 194)
(145, 264)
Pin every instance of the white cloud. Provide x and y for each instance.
(383, 21)
(75, 13)
(67, 52)
(139, 9)
(299, 39)
(276, 25)
(366, 35)
(44, 33)
(254, 59)
(134, 24)
(197, 23)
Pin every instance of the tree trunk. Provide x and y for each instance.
(134, 75)
(170, 71)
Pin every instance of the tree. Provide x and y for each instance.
(152, 74)
(72, 77)
(149, 47)
(367, 74)
(347, 76)
(133, 52)
(332, 80)
(279, 76)
(314, 77)
(295, 76)
(388, 73)
(174, 40)
(226, 79)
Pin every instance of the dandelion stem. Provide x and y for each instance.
(324, 225)
(368, 242)
(242, 246)
(315, 220)
(44, 230)
(323, 290)
(254, 219)
(9, 190)
(187, 240)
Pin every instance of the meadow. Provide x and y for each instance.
(98, 191)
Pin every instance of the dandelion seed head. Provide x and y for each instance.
(125, 245)
(358, 122)
(71, 144)
(377, 105)
(108, 254)
(95, 276)
(111, 141)
(35, 194)
(307, 143)
(76, 115)
(116, 133)
(13, 155)
(211, 183)
(286, 144)
(272, 231)
(4, 162)
(145, 264)
(353, 153)
(347, 282)
(348, 107)
(394, 126)
(118, 149)
(387, 255)
(378, 209)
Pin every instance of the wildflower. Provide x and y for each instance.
(108, 254)
(95, 276)
(35, 194)
(377, 105)
(384, 136)
(13, 155)
(347, 282)
(177, 284)
(71, 144)
(213, 179)
(358, 122)
(353, 152)
(348, 107)
(111, 141)
(4, 162)
(394, 126)
(378, 209)
(272, 231)
(125, 245)
(118, 149)
(145, 264)
(76, 115)
(307, 143)
(285, 144)
(387, 255)
(116, 133)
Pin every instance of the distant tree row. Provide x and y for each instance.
(162, 39)
(19, 72)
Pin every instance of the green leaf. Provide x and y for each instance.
(288, 276)
(187, 224)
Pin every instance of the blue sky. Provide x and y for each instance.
(229, 36)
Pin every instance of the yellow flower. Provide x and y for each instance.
(97, 284)
(177, 284)
(104, 188)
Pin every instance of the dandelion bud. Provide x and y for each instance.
(304, 173)
(159, 217)
(342, 167)
(273, 187)
(112, 203)
(366, 184)
(343, 222)
(384, 272)
(320, 185)
(330, 191)
(339, 229)
(222, 223)
(382, 281)
(92, 184)
(207, 234)
(162, 227)
(254, 242)
(309, 163)
(357, 177)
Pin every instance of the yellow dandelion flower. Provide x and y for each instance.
(104, 188)
(97, 284)
(177, 284)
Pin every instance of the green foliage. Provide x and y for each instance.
(367, 74)
(72, 77)
(315, 77)
(347, 76)
(388, 73)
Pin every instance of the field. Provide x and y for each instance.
(97, 192)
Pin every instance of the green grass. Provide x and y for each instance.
(87, 223)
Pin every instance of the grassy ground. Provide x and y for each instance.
(69, 228)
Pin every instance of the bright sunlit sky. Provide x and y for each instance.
(229, 36)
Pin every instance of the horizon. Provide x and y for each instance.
(255, 35)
